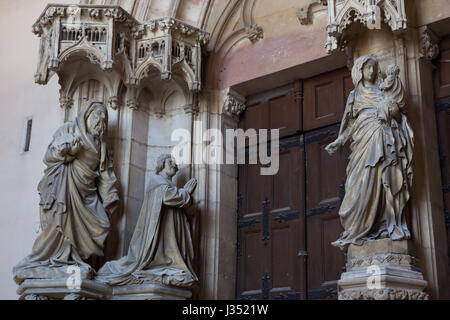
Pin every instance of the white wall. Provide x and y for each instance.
(21, 98)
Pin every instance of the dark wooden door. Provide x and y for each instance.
(288, 221)
(442, 95)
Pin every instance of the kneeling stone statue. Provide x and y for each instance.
(161, 250)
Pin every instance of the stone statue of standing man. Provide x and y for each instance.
(161, 250)
(78, 193)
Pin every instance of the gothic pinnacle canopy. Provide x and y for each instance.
(108, 36)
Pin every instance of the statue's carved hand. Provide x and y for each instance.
(190, 186)
(75, 147)
(68, 147)
(333, 147)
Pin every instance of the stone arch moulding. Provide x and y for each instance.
(236, 24)
(123, 48)
(370, 13)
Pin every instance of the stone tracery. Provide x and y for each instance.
(370, 13)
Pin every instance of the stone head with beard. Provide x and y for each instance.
(96, 119)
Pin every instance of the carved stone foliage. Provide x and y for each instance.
(254, 32)
(429, 48)
(234, 103)
(397, 259)
(108, 36)
(370, 13)
(382, 270)
(382, 294)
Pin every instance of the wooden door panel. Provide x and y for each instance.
(257, 116)
(287, 271)
(282, 262)
(348, 87)
(324, 99)
(254, 190)
(324, 173)
(325, 177)
(251, 263)
(442, 95)
(258, 188)
(442, 74)
(287, 184)
(285, 115)
(444, 142)
(325, 262)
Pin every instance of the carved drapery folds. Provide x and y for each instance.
(370, 13)
(109, 37)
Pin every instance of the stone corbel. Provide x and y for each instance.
(65, 101)
(114, 102)
(429, 45)
(191, 109)
(131, 99)
(234, 103)
(254, 32)
(132, 104)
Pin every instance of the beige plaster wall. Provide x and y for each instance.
(21, 98)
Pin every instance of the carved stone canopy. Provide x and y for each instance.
(370, 13)
(109, 36)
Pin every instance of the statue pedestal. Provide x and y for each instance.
(150, 292)
(59, 290)
(381, 270)
(93, 290)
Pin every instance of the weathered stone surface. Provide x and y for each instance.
(382, 270)
(94, 290)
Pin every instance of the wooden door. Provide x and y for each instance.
(288, 221)
(271, 228)
(442, 95)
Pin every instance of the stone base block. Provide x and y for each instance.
(381, 270)
(150, 292)
(92, 290)
(59, 290)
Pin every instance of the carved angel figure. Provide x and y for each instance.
(77, 192)
(379, 173)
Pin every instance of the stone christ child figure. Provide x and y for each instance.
(379, 173)
(161, 250)
(77, 193)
